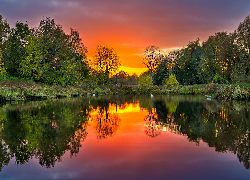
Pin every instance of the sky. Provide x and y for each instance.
(129, 26)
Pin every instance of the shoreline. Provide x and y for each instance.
(29, 91)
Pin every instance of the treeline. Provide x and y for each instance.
(48, 55)
(44, 54)
(222, 58)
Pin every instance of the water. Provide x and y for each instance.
(125, 137)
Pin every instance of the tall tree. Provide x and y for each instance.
(54, 57)
(242, 66)
(106, 60)
(219, 56)
(4, 30)
(15, 48)
(187, 65)
(243, 33)
(152, 58)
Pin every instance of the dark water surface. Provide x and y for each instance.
(125, 137)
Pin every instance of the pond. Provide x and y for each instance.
(125, 137)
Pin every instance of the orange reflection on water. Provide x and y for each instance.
(112, 119)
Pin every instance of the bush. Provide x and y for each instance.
(2, 71)
(172, 81)
(218, 79)
(145, 82)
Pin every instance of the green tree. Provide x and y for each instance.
(145, 82)
(243, 33)
(15, 48)
(187, 64)
(54, 57)
(219, 56)
(4, 31)
(241, 71)
(162, 72)
(172, 81)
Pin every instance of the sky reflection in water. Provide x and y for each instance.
(165, 137)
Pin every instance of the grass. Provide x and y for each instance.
(27, 90)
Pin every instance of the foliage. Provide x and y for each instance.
(162, 72)
(15, 48)
(172, 81)
(187, 65)
(2, 68)
(243, 33)
(218, 79)
(2, 71)
(152, 58)
(4, 31)
(54, 57)
(106, 60)
(222, 58)
(123, 78)
(145, 82)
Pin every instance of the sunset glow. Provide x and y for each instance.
(131, 26)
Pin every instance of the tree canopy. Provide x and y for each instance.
(222, 58)
(106, 60)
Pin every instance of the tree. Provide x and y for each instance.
(145, 82)
(241, 71)
(172, 81)
(4, 31)
(15, 48)
(162, 72)
(219, 56)
(54, 57)
(187, 65)
(106, 60)
(243, 33)
(152, 58)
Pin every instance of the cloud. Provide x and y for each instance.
(134, 23)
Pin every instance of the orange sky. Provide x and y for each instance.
(132, 25)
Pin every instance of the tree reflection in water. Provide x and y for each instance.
(47, 130)
(224, 126)
(153, 124)
(45, 133)
(105, 119)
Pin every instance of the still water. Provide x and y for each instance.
(125, 137)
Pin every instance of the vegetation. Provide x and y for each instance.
(223, 58)
(47, 57)
(172, 81)
(145, 82)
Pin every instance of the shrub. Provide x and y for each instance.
(145, 82)
(218, 79)
(2, 71)
(172, 81)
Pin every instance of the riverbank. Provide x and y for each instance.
(21, 90)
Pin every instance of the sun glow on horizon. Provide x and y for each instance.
(131, 70)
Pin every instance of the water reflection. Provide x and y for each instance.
(106, 122)
(47, 130)
(224, 127)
